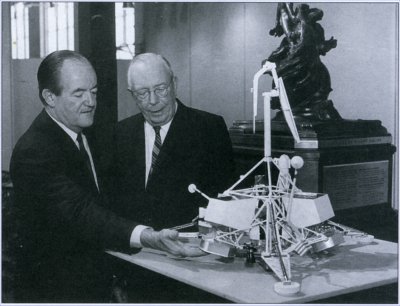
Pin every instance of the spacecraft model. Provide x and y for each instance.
(274, 220)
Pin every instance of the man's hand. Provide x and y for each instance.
(167, 240)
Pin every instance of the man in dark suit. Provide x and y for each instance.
(157, 155)
(194, 147)
(64, 223)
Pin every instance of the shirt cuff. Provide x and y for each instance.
(135, 236)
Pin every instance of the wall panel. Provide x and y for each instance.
(223, 46)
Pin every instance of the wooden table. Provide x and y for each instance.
(346, 268)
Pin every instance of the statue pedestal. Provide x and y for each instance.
(349, 160)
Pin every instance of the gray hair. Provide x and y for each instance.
(148, 57)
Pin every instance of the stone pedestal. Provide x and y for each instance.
(349, 160)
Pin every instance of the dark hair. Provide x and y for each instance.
(48, 74)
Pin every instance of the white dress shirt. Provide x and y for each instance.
(150, 136)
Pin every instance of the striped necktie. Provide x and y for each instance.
(156, 149)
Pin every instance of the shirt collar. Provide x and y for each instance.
(166, 126)
(67, 130)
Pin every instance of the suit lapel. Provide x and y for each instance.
(172, 144)
(141, 152)
(68, 147)
(136, 144)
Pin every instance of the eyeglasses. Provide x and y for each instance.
(160, 91)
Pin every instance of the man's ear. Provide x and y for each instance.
(175, 83)
(49, 97)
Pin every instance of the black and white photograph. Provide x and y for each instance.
(192, 152)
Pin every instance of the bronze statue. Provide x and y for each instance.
(306, 78)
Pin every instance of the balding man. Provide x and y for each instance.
(65, 225)
(158, 153)
(166, 147)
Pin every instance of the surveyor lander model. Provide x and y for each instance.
(271, 221)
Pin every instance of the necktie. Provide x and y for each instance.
(84, 154)
(156, 149)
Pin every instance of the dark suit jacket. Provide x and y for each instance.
(197, 149)
(63, 223)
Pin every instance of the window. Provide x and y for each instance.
(125, 29)
(56, 27)
(19, 30)
(39, 28)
